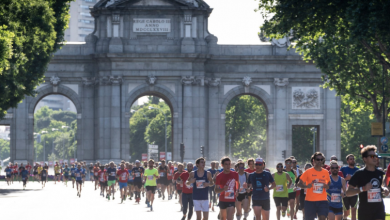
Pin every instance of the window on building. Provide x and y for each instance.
(85, 14)
(86, 29)
(85, 21)
(84, 6)
(89, 0)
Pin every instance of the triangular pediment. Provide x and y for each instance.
(153, 3)
(127, 3)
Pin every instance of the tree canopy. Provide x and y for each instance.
(348, 40)
(30, 32)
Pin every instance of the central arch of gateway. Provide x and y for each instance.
(164, 48)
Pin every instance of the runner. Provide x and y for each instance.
(367, 182)
(28, 168)
(150, 177)
(46, 167)
(242, 201)
(212, 195)
(298, 190)
(350, 203)
(66, 171)
(302, 195)
(163, 180)
(40, 168)
(335, 192)
(283, 182)
(170, 187)
(202, 180)
(91, 173)
(316, 180)
(15, 172)
(44, 174)
(24, 174)
(123, 176)
(8, 172)
(130, 181)
(57, 171)
(103, 180)
(20, 169)
(291, 189)
(96, 175)
(186, 197)
(138, 171)
(73, 175)
(35, 172)
(260, 182)
(249, 170)
(226, 184)
(179, 183)
(79, 172)
(111, 174)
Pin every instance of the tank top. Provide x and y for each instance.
(334, 193)
(281, 185)
(199, 191)
(292, 175)
(242, 178)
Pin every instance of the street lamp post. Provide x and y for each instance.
(44, 146)
(314, 130)
(151, 107)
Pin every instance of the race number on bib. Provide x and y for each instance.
(96, 173)
(279, 188)
(374, 195)
(112, 173)
(318, 188)
(137, 174)
(199, 184)
(124, 176)
(229, 194)
(335, 197)
(162, 174)
(242, 190)
(150, 177)
(78, 174)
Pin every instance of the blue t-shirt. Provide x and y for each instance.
(66, 171)
(24, 174)
(72, 170)
(79, 173)
(138, 171)
(348, 170)
(212, 171)
(111, 173)
(258, 181)
(8, 171)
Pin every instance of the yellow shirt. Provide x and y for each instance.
(39, 170)
(57, 169)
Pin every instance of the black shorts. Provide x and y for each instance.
(138, 184)
(225, 205)
(302, 198)
(151, 188)
(265, 204)
(9, 176)
(249, 193)
(179, 191)
(24, 181)
(336, 211)
(350, 202)
(163, 181)
(79, 181)
(35, 173)
(96, 177)
(130, 183)
(57, 174)
(103, 184)
(374, 213)
(292, 195)
(281, 201)
(66, 177)
(241, 197)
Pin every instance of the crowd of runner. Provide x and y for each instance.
(236, 187)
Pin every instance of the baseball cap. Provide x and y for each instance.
(259, 160)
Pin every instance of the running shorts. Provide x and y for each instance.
(122, 185)
(225, 205)
(312, 209)
(79, 181)
(57, 174)
(281, 201)
(103, 184)
(95, 177)
(110, 182)
(336, 211)
(179, 191)
(292, 195)
(151, 188)
(201, 205)
(350, 202)
(241, 197)
(9, 176)
(265, 204)
(138, 184)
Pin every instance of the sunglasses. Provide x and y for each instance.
(373, 156)
(294, 162)
(334, 168)
(259, 164)
(319, 159)
(288, 163)
(279, 167)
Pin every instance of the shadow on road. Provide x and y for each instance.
(5, 192)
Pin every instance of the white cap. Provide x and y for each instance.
(259, 160)
(137, 161)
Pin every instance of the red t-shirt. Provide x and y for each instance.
(249, 170)
(15, 169)
(96, 171)
(339, 173)
(28, 168)
(184, 176)
(102, 176)
(230, 180)
(170, 172)
(326, 167)
(123, 175)
(175, 177)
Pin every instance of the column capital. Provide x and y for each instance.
(88, 81)
(213, 81)
(116, 80)
(281, 81)
(188, 80)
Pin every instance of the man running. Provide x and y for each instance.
(335, 193)
(212, 194)
(249, 170)
(14, 172)
(138, 171)
(80, 173)
(66, 171)
(103, 180)
(283, 182)
(170, 187)
(44, 173)
(150, 177)
(8, 172)
(350, 203)
(24, 174)
(291, 189)
(130, 180)
(242, 201)
(57, 171)
(179, 183)
(298, 171)
(316, 180)
(111, 174)
(367, 183)
(202, 180)
(163, 180)
(187, 201)
(28, 168)
(261, 182)
(226, 184)
(35, 172)
(123, 176)
(96, 175)
(72, 174)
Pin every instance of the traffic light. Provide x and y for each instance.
(284, 154)
(182, 151)
(202, 151)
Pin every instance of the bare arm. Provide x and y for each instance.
(191, 179)
(209, 177)
(289, 180)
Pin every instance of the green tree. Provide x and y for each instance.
(66, 116)
(4, 149)
(246, 121)
(348, 40)
(30, 32)
(302, 143)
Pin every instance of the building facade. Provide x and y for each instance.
(164, 48)
(81, 22)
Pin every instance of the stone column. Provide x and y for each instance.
(102, 128)
(332, 123)
(187, 82)
(115, 119)
(88, 116)
(280, 119)
(213, 118)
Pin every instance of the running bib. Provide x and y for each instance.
(229, 194)
(169, 173)
(335, 197)
(292, 186)
(124, 176)
(162, 174)
(130, 177)
(112, 173)
(96, 173)
(150, 177)
(318, 188)
(199, 184)
(137, 174)
(279, 188)
(43, 175)
(78, 174)
(374, 195)
(242, 190)
(8, 173)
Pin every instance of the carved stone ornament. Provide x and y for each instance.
(200, 80)
(188, 80)
(247, 80)
(105, 80)
(116, 79)
(306, 97)
(55, 80)
(281, 81)
(88, 81)
(115, 18)
(213, 81)
(151, 80)
(110, 3)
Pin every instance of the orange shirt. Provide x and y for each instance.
(317, 179)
